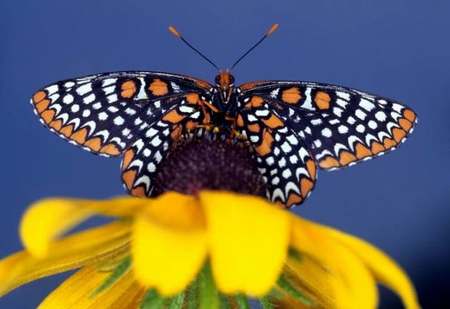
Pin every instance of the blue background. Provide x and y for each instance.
(399, 49)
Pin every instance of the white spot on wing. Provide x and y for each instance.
(367, 105)
(118, 121)
(326, 133)
(82, 90)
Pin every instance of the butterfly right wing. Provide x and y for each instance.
(106, 113)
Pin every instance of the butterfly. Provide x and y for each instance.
(294, 127)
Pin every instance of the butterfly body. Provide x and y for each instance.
(294, 127)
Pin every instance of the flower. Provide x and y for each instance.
(218, 247)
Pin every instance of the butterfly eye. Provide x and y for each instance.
(231, 80)
(217, 80)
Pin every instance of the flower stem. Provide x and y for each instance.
(208, 294)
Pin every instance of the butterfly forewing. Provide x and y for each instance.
(106, 113)
(339, 126)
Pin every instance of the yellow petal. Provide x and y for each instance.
(47, 219)
(169, 243)
(354, 287)
(385, 270)
(126, 206)
(248, 240)
(76, 291)
(90, 246)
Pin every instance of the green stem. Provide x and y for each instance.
(208, 294)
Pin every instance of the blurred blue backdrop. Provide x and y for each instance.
(395, 48)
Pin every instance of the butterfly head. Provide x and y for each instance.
(225, 85)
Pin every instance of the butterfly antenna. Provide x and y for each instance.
(176, 33)
(271, 30)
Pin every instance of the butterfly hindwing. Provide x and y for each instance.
(340, 126)
(282, 157)
(106, 113)
(141, 161)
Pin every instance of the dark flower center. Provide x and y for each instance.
(209, 161)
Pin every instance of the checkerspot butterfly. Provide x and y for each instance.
(293, 126)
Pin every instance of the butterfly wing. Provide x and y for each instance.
(135, 113)
(337, 126)
(106, 113)
(282, 158)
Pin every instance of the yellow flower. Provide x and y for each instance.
(179, 251)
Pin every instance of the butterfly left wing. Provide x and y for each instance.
(337, 126)
(138, 114)
(142, 159)
(105, 113)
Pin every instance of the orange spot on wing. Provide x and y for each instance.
(322, 100)
(110, 149)
(48, 115)
(376, 148)
(291, 95)
(173, 116)
(254, 127)
(67, 130)
(192, 98)
(56, 124)
(127, 157)
(94, 143)
(139, 192)
(240, 121)
(254, 102)
(158, 87)
(42, 106)
(398, 134)
(362, 151)
(273, 122)
(306, 186)
(39, 96)
(128, 178)
(388, 143)
(409, 114)
(346, 157)
(128, 89)
(80, 136)
(293, 199)
(311, 167)
(248, 86)
(266, 144)
(329, 162)
(405, 124)
(202, 84)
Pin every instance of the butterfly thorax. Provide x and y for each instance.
(224, 99)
